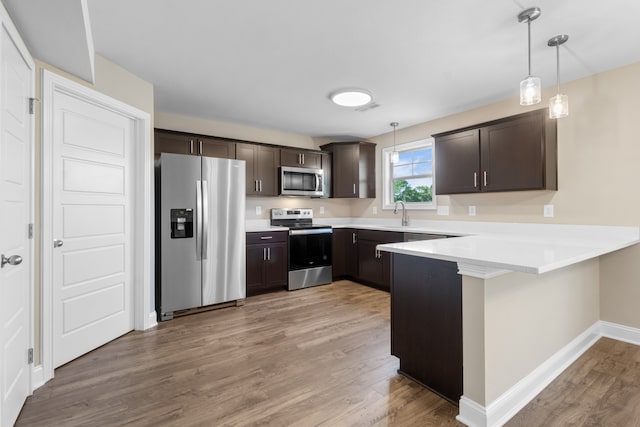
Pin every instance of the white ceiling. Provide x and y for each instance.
(273, 63)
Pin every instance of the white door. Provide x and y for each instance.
(92, 200)
(15, 210)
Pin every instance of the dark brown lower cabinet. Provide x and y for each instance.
(426, 323)
(344, 253)
(267, 258)
(374, 268)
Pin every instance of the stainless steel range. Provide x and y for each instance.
(309, 247)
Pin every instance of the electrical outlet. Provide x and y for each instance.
(472, 210)
(374, 210)
(321, 209)
(443, 210)
(258, 210)
(548, 211)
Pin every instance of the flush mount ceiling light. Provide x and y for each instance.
(559, 104)
(351, 97)
(395, 156)
(530, 87)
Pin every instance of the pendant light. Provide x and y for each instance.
(559, 104)
(395, 156)
(530, 88)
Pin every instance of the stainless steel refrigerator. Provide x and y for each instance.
(200, 232)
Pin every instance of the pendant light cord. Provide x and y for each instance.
(529, 42)
(558, 67)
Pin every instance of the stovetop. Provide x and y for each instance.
(298, 219)
(305, 226)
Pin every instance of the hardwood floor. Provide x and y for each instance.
(601, 388)
(314, 357)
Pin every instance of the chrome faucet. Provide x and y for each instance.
(405, 217)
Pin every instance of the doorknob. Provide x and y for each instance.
(57, 243)
(13, 260)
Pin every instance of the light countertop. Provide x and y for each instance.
(523, 247)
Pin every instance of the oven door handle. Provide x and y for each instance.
(310, 231)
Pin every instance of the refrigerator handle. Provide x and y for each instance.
(198, 220)
(205, 218)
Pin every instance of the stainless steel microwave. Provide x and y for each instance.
(301, 182)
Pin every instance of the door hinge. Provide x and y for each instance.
(31, 231)
(32, 105)
(30, 355)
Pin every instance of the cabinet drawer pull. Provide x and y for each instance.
(475, 179)
(191, 146)
(354, 189)
(485, 178)
(303, 158)
(266, 237)
(200, 143)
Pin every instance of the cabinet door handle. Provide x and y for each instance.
(353, 238)
(266, 237)
(264, 254)
(354, 189)
(191, 146)
(485, 178)
(260, 185)
(200, 144)
(255, 185)
(377, 253)
(268, 254)
(475, 179)
(303, 158)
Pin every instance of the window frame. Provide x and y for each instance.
(387, 176)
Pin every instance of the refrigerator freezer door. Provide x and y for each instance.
(223, 264)
(181, 276)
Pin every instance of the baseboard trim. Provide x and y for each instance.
(152, 320)
(37, 377)
(620, 332)
(520, 394)
(472, 414)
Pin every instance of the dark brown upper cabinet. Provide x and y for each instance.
(300, 158)
(172, 142)
(216, 147)
(196, 145)
(261, 169)
(510, 154)
(353, 169)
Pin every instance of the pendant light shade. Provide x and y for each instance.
(395, 156)
(530, 91)
(559, 104)
(530, 87)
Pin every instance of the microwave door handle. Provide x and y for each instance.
(317, 182)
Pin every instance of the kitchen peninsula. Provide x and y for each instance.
(530, 303)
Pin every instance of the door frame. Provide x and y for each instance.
(142, 174)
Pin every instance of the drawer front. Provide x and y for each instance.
(380, 236)
(259, 238)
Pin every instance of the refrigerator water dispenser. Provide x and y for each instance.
(181, 223)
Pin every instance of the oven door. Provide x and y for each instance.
(309, 257)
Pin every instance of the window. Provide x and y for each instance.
(410, 179)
